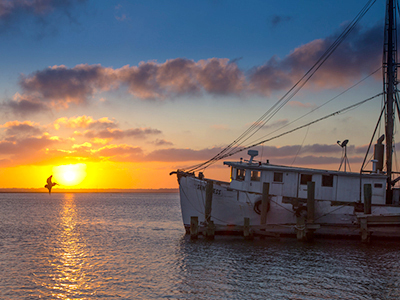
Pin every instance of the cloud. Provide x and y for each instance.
(16, 128)
(59, 87)
(119, 150)
(85, 122)
(359, 54)
(24, 105)
(140, 133)
(220, 127)
(176, 154)
(300, 104)
(276, 124)
(14, 12)
(162, 142)
(178, 77)
(277, 19)
(27, 150)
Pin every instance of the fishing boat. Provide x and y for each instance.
(262, 198)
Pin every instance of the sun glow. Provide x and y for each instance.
(69, 175)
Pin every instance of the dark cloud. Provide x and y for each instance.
(178, 77)
(59, 86)
(26, 149)
(162, 142)
(25, 106)
(21, 128)
(119, 150)
(277, 19)
(86, 122)
(175, 154)
(120, 134)
(358, 55)
(15, 13)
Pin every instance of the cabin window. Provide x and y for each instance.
(304, 178)
(278, 177)
(378, 185)
(255, 175)
(327, 180)
(240, 174)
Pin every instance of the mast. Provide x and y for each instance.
(390, 82)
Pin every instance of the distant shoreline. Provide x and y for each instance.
(42, 190)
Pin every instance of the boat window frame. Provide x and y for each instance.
(327, 180)
(240, 177)
(305, 175)
(281, 177)
(255, 178)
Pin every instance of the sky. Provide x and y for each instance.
(118, 94)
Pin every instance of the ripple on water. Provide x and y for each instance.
(132, 246)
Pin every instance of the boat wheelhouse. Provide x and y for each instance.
(290, 183)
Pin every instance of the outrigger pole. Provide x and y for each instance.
(390, 83)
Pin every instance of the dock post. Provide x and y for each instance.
(310, 209)
(194, 227)
(310, 202)
(210, 230)
(367, 198)
(246, 229)
(301, 227)
(264, 203)
(209, 194)
(365, 235)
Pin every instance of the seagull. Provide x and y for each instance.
(50, 184)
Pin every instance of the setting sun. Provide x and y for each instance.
(69, 175)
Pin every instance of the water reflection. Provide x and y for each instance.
(286, 269)
(70, 259)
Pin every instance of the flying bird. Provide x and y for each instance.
(50, 184)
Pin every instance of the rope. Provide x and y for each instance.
(328, 213)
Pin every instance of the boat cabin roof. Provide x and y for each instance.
(270, 167)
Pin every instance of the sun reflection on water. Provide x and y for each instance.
(69, 279)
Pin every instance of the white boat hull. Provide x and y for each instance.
(230, 207)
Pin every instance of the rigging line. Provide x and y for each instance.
(306, 77)
(303, 126)
(292, 92)
(328, 213)
(295, 129)
(301, 146)
(299, 84)
(372, 138)
(310, 112)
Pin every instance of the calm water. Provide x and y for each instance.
(133, 246)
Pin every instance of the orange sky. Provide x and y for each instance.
(121, 97)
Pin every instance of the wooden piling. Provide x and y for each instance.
(309, 233)
(264, 203)
(367, 198)
(365, 235)
(301, 227)
(209, 194)
(310, 202)
(194, 227)
(210, 230)
(246, 229)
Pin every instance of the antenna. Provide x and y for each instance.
(344, 154)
